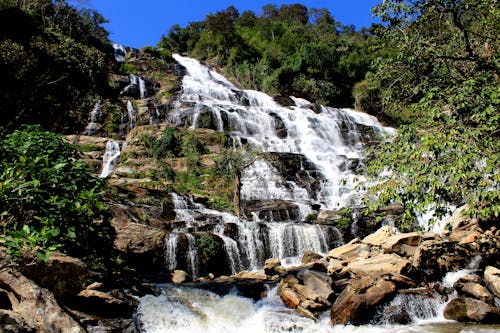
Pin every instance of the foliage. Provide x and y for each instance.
(444, 86)
(310, 218)
(54, 61)
(289, 50)
(47, 197)
(167, 144)
(207, 245)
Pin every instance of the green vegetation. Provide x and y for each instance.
(207, 246)
(54, 61)
(443, 87)
(48, 198)
(291, 50)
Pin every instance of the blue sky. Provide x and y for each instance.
(140, 23)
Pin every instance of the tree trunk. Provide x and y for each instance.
(236, 197)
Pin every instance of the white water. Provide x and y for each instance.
(95, 118)
(254, 241)
(186, 310)
(330, 139)
(110, 159)
(120, 52)
(132, 116)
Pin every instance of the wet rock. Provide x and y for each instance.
(279, 126)
(283, 100)
(358, 302)
(378, 237)
(329, 217)
(384, 264)
(61, 274)
(288, 296)
(180, 276)
(270, 265)
(477, 291)
(273, 210)
(245, 275)
(35, 305)
(492, 279)
(467, 309)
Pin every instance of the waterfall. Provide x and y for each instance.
(331, 140)
(142, 88)
(132, 117)
(95, 119)
(119, 52)
(110, 158)
(136, 87)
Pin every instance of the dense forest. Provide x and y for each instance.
(431, 68)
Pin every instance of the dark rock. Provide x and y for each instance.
(36, 306)
(273, 210)
(13, 323)
(279, 126)
(467, 309)
(61, 274)
(270, 266)
(283, 100)
(105, 305)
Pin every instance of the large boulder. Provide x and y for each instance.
(319, 282)
(384, 264)
(402, 244)
(492, 279)
(467, 309)
(104, 304)
(36, 306)
(61, 274)
(350, 251)
(437, 257)
(379, 236)
(358, 302)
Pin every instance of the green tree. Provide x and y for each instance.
(444, 85)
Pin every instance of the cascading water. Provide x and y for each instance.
(95, 119)
(132, 116)
(331, 139)
(110, 158)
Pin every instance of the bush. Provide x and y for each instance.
(48, 198)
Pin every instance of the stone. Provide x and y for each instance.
(104, 304)
(328, 216)
(334, 266)
(61, 274)
(349, 251)
(402, 243)
(245, 275)
(359, 300)
(477, 291)
(270, 265)
(311, 256)
(384, 264)
(10, 322)
(179, 276)
(272, 210)
(467, 309)
(379, 236)
(36, 306)
(288, 296)
(492, 279)
(319, 282)
(305, 312)
(437, 257)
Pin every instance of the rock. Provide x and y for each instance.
(288, 296)
(319, 282)
(349, 251)
(142, 244)
(358, 302)
(467, 309)
(13, 323)
(492, 279)
(402, 244)
(245, 275)
(384, 264)
(311, 256)
(305, 312)
(477, 291)
(270, 265)
(61, 274)
(435, 258)
(36, 306)
(272, 210)
(328, 216)
(104, 304)
(179, 276)
(379, 236)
